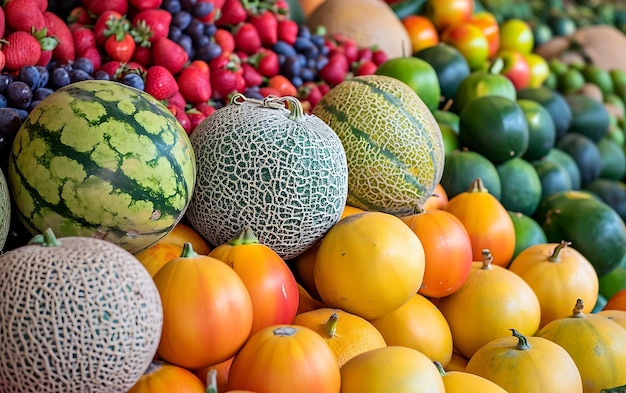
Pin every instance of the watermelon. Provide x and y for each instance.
(102, 159)
(279, 171)
(5, 210)
(393, 143)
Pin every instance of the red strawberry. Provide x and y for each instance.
(97, 7)
(251, 75)
(232, 13)
(120, 46)
(113, 67)
(288, 31)
(146, 4)
(107, 22)
(92, 53)
(269, 91)
(44, 58)
(21, 49)
(225, 40)
(64, 52)
(181, 116)
(83, 38)
(365, 67)
(266, 62)
(142, 55)
(195, 117)
(79, 15)
(336, 70)
(177, 99)
(204, 108)
(310, 92)
(267, 26)
(151, 24)
(24, 15)
(160, 82)
(169, 54)
(194, 82)
(2, 60)
(2, 23)
(224, 82)
(379, 56)
(247, 38)
(365, 54)
(42, 4)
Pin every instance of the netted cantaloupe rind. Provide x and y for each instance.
(84, 316)
(392, 141)
(285, 178)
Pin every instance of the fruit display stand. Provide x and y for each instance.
(326, 196)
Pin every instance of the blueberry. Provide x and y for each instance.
(29, 75)
(303, 44)
(19, 94)
(210, 29)
(297, 81)
(281, 47)
(202, 9)
(307, 74)
(173, 6)
(208, 52)
(188, 4)
(304, 31)
(83, 63)
(291, 67)
(201, 41)
(195, 29)
(101, 75)
(181, 19)
(187, 44)
(78, 75)
(60, 78)
(133, 80)
(174, 33)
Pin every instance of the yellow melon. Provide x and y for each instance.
(368, 22)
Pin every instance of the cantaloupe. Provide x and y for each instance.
(281, 172)
(368, 22)
(77, 314)
(392, 141)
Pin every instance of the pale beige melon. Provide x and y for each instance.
(368, 22)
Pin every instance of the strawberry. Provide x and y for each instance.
(83, 38)
(205, 108)
(310, 91)
(98, 7)
(142, 55)
(225, 40)
(177, 99)
(2, 26)
(151, 24)
(120, 46)
(3, 60)
(266, 62)
(225, 81)
(20, 49)
(267, 26)
(113, 67)
(160, 82)
(365, 67)
(232, 13)
(24, 15)
(194, 82)
(195, 117)
(169, 54)
(181, 116)
(379, 56)
(107, 22)
(79, 15)
(251, 75)
(336, 70)
(44, 58)
(365, 54)
(287, 31)
(42, 5)
(92, 53)
(146, 4)
(64, 52)
(269, 91)
(247, 38)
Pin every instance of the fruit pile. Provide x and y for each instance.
(315, 214)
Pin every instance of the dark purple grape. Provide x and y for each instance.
(318, 40)
(303, 44)
(321, 61)
(3, 101)
(302, 59)
(210, 29)
(133, 80)
(29, 75)
(83, 63)
(291, 67)
(253, 92)
(307, 74)
(195, 29)
(5, 80)
(202, 9)
(304, 31)
(201, 41)
(32, 105)
(283, 48)
(187, 44)
(174, 33)
(297, 81)
(44, 74)
(78, 75)
(60, 78)
(41, 93)
(19, 94)
(188, 4)
(22, 113)
(208, 52)
(101, 75)
(181, 19)
(173, 6)
(9, 125)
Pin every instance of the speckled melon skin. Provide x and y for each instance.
(81, 316)
(392, 141)
(284, 178)
(5, 210)
(101, 159)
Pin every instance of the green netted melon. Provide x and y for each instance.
(77, 315)
(5, 210)
(393, 143)
(281, 172)
(101, 159)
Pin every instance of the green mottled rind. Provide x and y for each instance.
(5, 210)
(101, 159)
(393, 143)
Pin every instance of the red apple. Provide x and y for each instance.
(516, 68)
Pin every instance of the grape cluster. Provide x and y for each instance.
(190, 31)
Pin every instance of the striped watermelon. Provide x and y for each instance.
(5, 210)
(393, 144)
(101, 159)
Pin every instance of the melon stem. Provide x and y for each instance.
(577, 312)
(477, 186)
(442, 372)
(522, 343)
(45, 239)
(487, 259)
(188, 251)
(556, 257)
(246, 236)
(330, 326)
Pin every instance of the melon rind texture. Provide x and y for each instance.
(5, 210)
(286, 179)
(392, 141)
(101, 159)
(83, 316)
